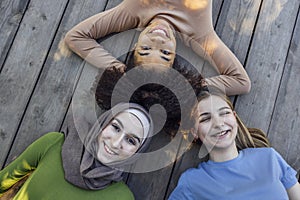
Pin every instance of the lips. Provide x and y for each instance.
(161, 31)
(221, 134)
(108, 150)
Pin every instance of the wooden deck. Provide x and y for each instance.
(38, 75)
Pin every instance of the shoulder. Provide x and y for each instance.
(48, 140)
(264, 154)
(259, 151)
(52, 136)
(190, 173)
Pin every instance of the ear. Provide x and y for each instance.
(194, 133)
(134, 46)
(234, 113)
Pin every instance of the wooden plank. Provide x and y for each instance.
(24, 63)
(217, 4)
(284, 131)
(11, 13)
(56, 81)
(266, 61)
(236, 25)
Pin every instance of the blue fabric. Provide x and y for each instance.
(257, 173)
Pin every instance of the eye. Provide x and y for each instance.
(205, 119)
(116, 127)
(166, 52)
(225, 113)
(145, 48)
(131, 140)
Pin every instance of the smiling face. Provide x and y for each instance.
(216, 124)
(156, 44)
(120, 139)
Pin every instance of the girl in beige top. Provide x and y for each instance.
(190, 20)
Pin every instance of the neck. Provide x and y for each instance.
(160, 20)
(222, 155)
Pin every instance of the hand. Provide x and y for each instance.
(120, 68)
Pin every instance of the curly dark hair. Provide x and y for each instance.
(174, 89)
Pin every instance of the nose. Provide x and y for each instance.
(116, 141)
(157, 39)
(218, 121)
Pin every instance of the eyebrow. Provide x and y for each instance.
(146, 54)
(136, 137)
(224, 108)
(220, 109)
(132, 134)
(167, 59)
(119, 122)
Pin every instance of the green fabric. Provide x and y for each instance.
(47, 180)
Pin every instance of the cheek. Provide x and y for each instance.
(106, 133)
(232, 121)
(203, 130)
(129, 150)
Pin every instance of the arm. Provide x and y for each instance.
(288, 177)
(233, 77)
(294, 192)
(82, 38)
(26, 162)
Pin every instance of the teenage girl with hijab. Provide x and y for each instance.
(66, 167)
(235, 167)
(190, 20)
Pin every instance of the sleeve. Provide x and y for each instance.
(288, 174)
(233, 78)
(82, 38)
(26, 162)
(182, 190)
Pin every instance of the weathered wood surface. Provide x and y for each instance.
(284, 130)
(24, 63)
(54, 90)
(39, 76)
(12, 13)
(266, 59)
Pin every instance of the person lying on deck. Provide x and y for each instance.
(235, 168)
(70, 167)
(190, 20)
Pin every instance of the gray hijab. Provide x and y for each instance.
(79, 158)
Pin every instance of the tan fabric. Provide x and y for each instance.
(191, 18)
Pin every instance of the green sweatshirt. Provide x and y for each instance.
(43, 159)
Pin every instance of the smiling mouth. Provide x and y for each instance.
(108, 150)
(221, 134)
(160, 31)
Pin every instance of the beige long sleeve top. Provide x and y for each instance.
(191, 19)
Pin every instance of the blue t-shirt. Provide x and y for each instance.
(257, 173)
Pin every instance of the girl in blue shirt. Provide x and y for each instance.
(235, 168)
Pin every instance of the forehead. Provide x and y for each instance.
(211, 103)
(130, 123)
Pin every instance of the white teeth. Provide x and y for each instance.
(159, 31)
(108, 150)
(221, 133)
